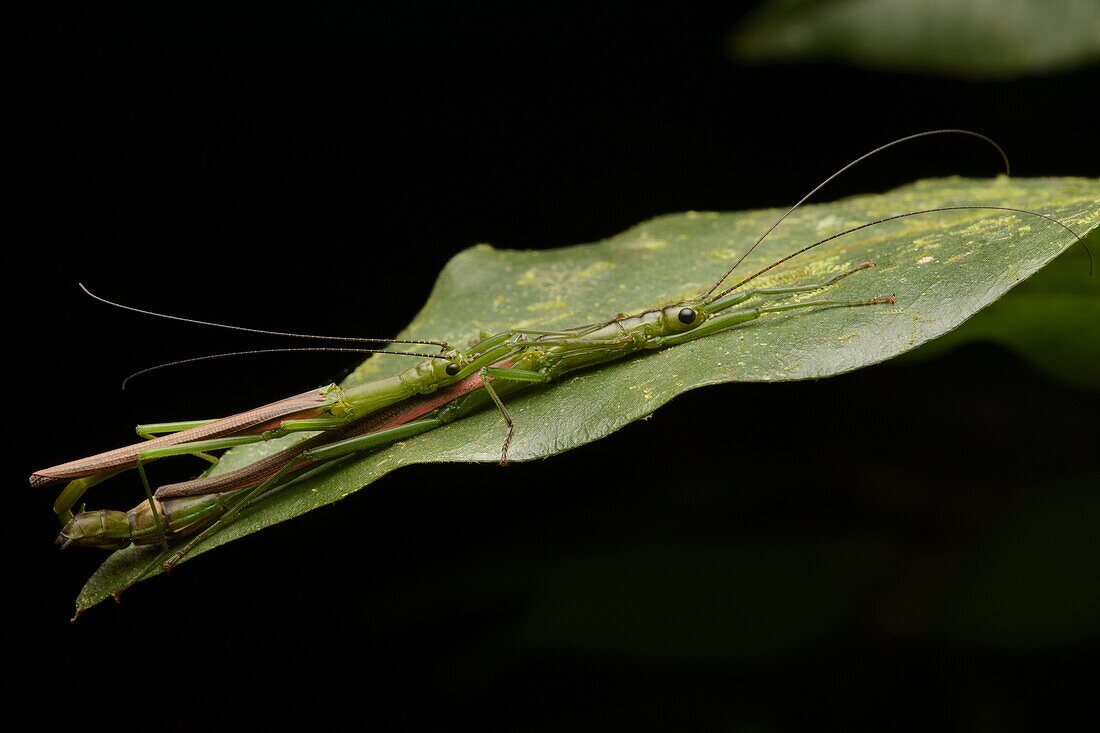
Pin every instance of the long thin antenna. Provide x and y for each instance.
(253, 352)
(443, 345)
(820, 242)
(865, 156)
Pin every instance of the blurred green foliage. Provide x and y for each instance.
(966, 38)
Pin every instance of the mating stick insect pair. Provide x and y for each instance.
(438, 390)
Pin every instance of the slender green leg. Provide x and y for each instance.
(117, 595)
(152, 505)
(312, 424)
(732, 299)
(500, 339)
(75, 489)
(226, 518)
(286, 426)
(880, 300)
(334, 450)
(385, 437)
(152, 430)
(515, 375)
(160, 556)
(729, 319)
(167, 564)
(370, 440)
(487, 383)
(542, 332)
(815, 286)
(197, 446)
(177, 555)
(489, 341)
(736, 298)
(352, 445)
(489, 374)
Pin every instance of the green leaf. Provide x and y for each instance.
(943, 268)
(1050, 321)
(969, 38)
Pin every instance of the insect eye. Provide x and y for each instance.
(452, 369)
(687, 316)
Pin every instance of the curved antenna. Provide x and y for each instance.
(252, 352)
(443, 345)
(818, 243)
(865, 156)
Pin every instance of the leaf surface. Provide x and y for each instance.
(1049, 321)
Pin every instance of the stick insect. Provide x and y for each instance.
(438, 389)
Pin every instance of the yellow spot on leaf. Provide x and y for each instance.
(547, 305)
(598, 267)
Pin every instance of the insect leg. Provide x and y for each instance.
(880, 300)
(151, 430)
(814, 286)
(222, 521)
(376, 439)
(74, 490)
(140, 465)
(334, 450)
(810, 287)
(311, 424)
(729, 319)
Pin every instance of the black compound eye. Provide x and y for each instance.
(452, 369)
(687, 316)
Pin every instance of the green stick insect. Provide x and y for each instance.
(439, 389)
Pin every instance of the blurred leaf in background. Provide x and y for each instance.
(967, 38)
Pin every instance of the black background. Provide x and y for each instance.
(313, 170)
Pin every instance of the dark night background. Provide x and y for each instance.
(909, 544)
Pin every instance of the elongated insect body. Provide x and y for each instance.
(514, 359)
(436, 390)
